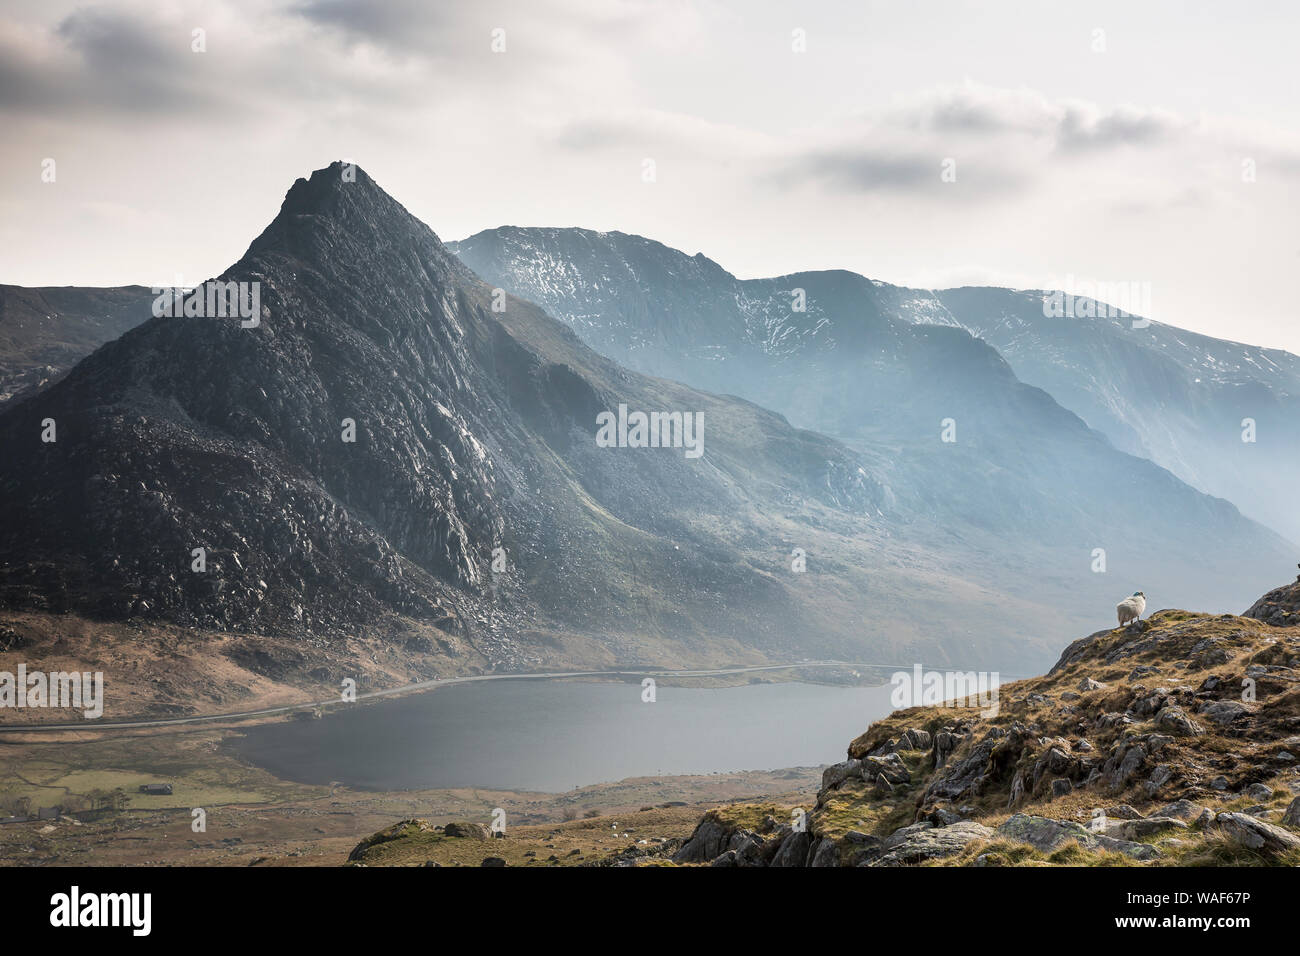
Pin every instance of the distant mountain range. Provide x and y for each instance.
(1158, 392)
(1176, 397)
(479, 499)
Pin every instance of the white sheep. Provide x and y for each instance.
(1131, 608)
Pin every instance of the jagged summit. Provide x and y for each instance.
(342, 195)
(336, 188)
(340, 218)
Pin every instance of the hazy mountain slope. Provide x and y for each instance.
(45, 331)
(666, 313)
(475, 430)
(1173, 396)
(1018, 501)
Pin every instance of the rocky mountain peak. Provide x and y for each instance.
(365, 449)
(340, 218)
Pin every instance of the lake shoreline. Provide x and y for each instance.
(553, 734)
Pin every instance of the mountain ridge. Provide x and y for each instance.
(844, 363)
(1178, 398)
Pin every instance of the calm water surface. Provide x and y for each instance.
(552, 735)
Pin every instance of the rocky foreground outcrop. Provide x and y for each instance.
(1279, 607)
(1175, 740)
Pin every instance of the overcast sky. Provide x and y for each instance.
(1091, 141)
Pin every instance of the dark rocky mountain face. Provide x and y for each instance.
(474, 431)
(1017, 503)
(45, 331)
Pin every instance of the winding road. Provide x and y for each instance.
(99, 725)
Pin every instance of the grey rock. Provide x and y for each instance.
(915, 739)
(826, 853)
(944, 817)
(708, 841)
(750, 849)
(1017, 788)
(836, 774)
(1046, 835)
(471, 831)
(1258, 791)
(1292, 815)
(1224, 712)
(905, 833)
(1149, 827)
(1157, 743)
(1146, 706)
(794, 850)
(967, 775)
(944, 744)
(1055, 761)
(1159, 777)
(918, 843)
(1123, 763)
(890, 768)
(1122, 811)
(1255, 834)
(1181, 810)
(1172, 719)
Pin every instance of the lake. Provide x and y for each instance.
(553, 735)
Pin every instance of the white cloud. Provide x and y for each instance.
(768, 161)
